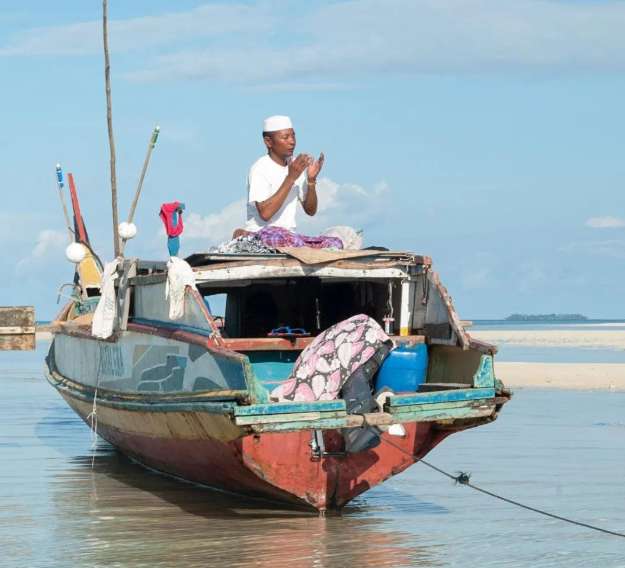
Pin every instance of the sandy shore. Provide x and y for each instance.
(586, 376)
(608, 339)
(603, 376)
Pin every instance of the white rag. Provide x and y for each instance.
(106, 311)
(179, 276)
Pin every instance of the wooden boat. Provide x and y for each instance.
(191, 397)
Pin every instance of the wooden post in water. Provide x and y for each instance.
(109, 120)
(17, 328)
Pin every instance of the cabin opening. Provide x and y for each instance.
(306, 305)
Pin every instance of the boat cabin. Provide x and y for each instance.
(269, 307)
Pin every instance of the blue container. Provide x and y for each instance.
(404, 369)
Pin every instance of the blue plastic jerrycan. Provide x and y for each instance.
(404, 369)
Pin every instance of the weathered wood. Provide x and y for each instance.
(16, 316)
(259, 271)
(17, 342)
(123, 294)
(17, 328)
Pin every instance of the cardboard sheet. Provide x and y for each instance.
(309, 255)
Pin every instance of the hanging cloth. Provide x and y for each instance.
(171, 215)
(179, 276)
(106, 310)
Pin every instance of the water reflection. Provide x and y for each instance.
(561, 451)
(117, 510)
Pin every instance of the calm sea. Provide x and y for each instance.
(67, 500)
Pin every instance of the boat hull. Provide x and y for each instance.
(209, 449)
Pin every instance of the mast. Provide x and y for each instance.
(109, 120)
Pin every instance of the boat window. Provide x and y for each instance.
(149, 304)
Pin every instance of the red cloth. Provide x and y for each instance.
(168, 210)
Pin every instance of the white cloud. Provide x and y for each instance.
(350, 38)
(215, 228)
(241, 42)
(339, 204)
(347, 204)
(49, 243)
(136, 34)
(605, 222)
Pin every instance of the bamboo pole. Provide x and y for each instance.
(109, 120)
(151, 144)
(146, 162)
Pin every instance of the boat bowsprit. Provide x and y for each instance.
(195, 397)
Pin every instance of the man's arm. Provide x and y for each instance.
(310, 202)
(270, 206)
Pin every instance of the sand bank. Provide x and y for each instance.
(555, 338)
(587, 376)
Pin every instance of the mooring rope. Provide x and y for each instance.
(463, 478)
(93, 417)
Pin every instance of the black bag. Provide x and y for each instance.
(357, 393)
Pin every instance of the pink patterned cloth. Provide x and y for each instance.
(275, 237)
(323, 367)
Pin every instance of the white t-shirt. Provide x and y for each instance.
(264, 179)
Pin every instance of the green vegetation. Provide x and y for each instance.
(545, 317)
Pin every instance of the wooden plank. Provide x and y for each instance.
(123, 295)
(262, 271)
(290, 417)
(417, 408)
(289, 407)
(446, 414)
(17, 316)
(17, 342)
(440, 396)
(17, 328)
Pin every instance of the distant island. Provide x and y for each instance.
(545, 317)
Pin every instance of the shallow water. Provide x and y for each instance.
(66, 503)
(542, 354)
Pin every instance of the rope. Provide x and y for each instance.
(93, 415)
(463, 478)
(93, 419)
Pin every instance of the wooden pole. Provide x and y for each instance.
(61, 184)
(151, 144)
(109, 120)
(146, 162)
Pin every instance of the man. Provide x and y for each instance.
(277, 182)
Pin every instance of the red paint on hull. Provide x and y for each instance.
(280, 466)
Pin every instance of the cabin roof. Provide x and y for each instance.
(220, 268)
(310, 256)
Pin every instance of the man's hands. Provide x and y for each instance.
(298, 165)
(306, 162)
(314, 167)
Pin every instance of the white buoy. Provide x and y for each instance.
(127, 230)
(75, 252)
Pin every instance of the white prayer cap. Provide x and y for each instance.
(277, 122)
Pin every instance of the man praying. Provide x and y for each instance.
(277, 182)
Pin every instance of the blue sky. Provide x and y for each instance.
(485, 133)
